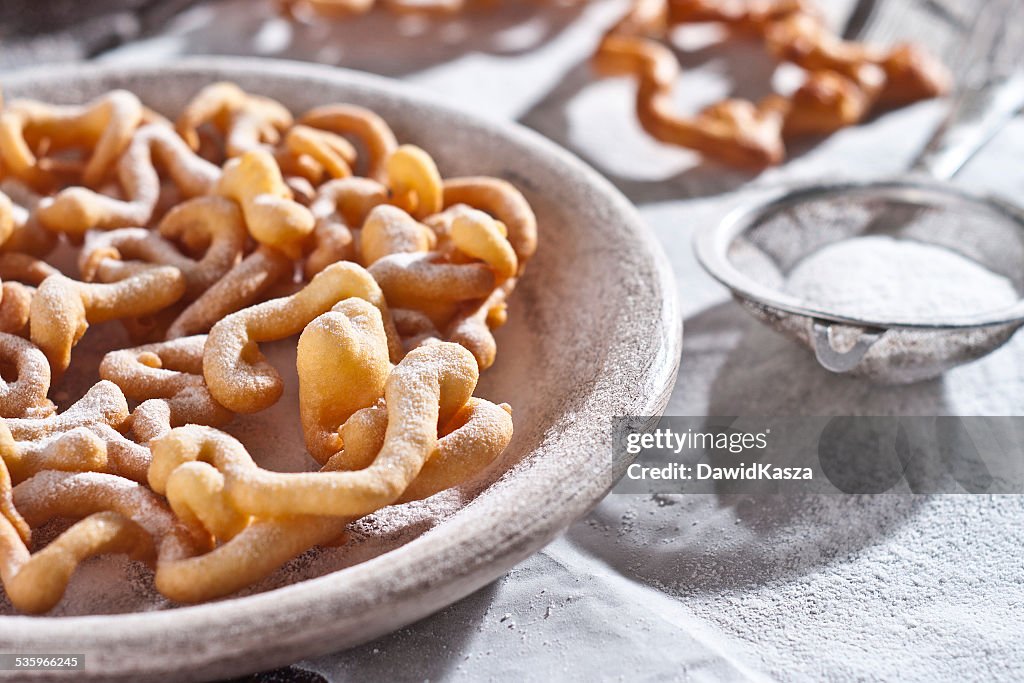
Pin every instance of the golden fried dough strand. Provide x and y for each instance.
(472, 327)
(6, 217)
(25, 268)
(389, 230)
(62, 308)
(503, 201)
(910, 74)
(369, 128)
(333, 154)
(35, 583)
(827, 101)
(240, 287)
(167, 377)
(476, 235)
(474, 438)
(272, 216)
(845, 80)
(340, 209)
(7, 510)
(213, 224)
(734, 131)
(415, 182)
(117, 516)
(77, 209)
(15, 308)
(342, 365)
(246, 121)
(414, 327)
(427, 388)
(420, 280)
(254, 553)
(105, 126)
(238, 375)
(26, 395)
(103, 411)
(76, 450)
(26, 235)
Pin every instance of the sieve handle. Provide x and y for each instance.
(841, 361)
(976, 115)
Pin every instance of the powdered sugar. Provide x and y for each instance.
(881, 277)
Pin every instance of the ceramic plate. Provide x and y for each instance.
(594, 332)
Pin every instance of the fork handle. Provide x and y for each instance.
(976, 115)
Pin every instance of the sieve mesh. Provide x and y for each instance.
(786, 234)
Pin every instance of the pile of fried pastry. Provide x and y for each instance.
(234, 225)
(843, 83)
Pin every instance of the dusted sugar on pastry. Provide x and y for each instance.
(238, 229)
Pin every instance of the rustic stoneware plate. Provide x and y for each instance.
(594, 332)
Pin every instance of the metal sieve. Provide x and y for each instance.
(755, 247)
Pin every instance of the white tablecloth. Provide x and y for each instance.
(703, 587)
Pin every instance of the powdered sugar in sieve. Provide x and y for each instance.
(878, 276)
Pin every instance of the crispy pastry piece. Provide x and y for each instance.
(254, 553)
(473, 439)
(167, 379)
(503, 201)
(246, 121)
(330, 154)
(472, 327)
(340, 208)
(25, 268)
(265, 518)
(429, 387)
(414, 327)
(476, 235)
(26, 235)
(15, 308)
(845, 80)
(6, 217)
(274, 219)
(103, 411)
(77, 209)
(415, 182)
(116, 516)
(734, 131)
(428, 282)
(62, 308)
(238, 375)
(342, 364)
(213, 224)
(104, 126)
(25, 396)
(367, 127)
(76, 450)
(389, 230)
(240, 287)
